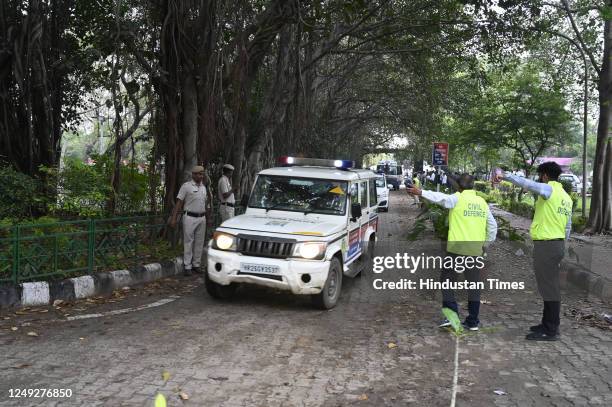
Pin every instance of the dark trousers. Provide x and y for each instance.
(547, 256)
(448, 296)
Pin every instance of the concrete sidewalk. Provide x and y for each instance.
(587, 261)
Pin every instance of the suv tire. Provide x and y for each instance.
(329, 295)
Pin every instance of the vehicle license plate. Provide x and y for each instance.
(259, 268)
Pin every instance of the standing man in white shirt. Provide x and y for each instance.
(192, 198)
(226, 193)
(550, 229)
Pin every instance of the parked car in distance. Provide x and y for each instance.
(382, 193)
(576, 183)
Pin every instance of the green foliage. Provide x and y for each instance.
(505, 230)
(417, 230)
(521, 108)
(567, 185)
(84, 190)
(21, 196)
(482, 186)
(519, 208)
(578, 223)
(484, 196)
(438, 217)
(454, 320)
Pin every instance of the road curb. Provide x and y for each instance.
(582, 278)
(585, 279)
(576, 274)
(45, 293)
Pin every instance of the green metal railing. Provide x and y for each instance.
(66, 249)
(33, 251)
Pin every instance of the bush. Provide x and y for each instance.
(567, 185)
(482, 186)
(21, 196)
(438, 217)
(484, 196)
(84, 190)
(578, 223)
(575, 197)
(522, 209)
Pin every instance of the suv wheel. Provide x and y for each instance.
(218, 291)
(329, 295)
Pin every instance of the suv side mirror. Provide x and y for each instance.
(245, 200)
(355, 211)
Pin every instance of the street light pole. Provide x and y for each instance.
(585, 120)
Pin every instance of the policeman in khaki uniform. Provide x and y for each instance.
(226, 193)
(551, 226)
(192, 199)
(471, 227)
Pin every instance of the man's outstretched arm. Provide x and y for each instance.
(442, 199)
(540, 188)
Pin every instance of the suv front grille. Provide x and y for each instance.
(264, 246)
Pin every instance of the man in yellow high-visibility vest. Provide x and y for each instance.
(417, 183)
(471, 228)
(551, 226)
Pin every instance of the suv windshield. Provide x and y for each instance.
(308, 195)
(380, 182)
(387, 169)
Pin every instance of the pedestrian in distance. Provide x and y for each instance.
(191, 202)
(417, 184)
(227, 200)
(471, 229)
(551, 226)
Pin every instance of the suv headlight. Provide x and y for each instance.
(224, 241)
(310, 250)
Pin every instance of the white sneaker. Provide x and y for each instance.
(470, 327)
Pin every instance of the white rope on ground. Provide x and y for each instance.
(456, 374)
(125, 310)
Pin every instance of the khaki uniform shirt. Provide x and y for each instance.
(224, 187)
(193, 196)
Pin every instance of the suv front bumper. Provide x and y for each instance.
(290, 275)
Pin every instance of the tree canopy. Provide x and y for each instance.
(215, 81)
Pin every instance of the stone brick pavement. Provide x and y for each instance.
(271, 349)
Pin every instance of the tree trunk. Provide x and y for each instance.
(241, 90)
(600, 212)
(190, 125)
(115, 178)
(274, 111)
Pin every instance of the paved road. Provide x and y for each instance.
(266, 348)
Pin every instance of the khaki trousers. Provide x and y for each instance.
(194, 232)
(226, 212)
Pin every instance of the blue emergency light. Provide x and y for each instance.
(316, 162)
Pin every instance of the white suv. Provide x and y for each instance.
(306, 225)
(382, 193)
(576, 183)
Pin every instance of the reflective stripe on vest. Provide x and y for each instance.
(467, 224)
(552, 214)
